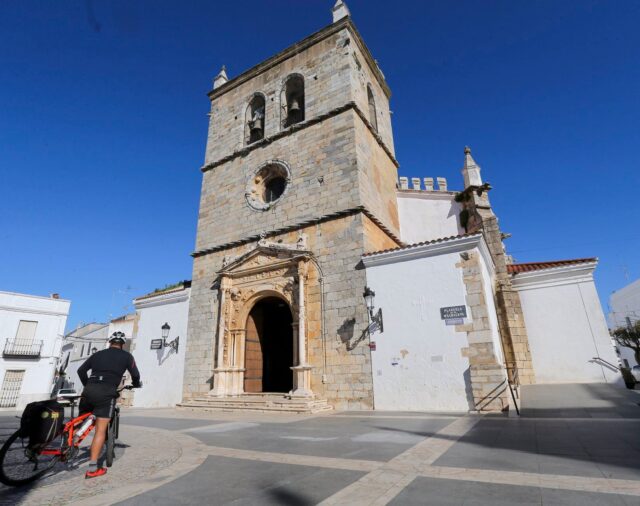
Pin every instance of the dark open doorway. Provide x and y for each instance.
(269, 347)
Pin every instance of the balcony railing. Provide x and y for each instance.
(14, 348)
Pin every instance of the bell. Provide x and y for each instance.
(294, 106)
(256, 125)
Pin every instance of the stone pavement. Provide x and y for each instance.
(177, 457)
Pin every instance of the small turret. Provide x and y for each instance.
(340, 10)
(470, 170)
(221, 78)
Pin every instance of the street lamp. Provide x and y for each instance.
(376, 317)
(165, 334)
(165, 331)
(369, 296)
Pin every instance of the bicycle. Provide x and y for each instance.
(20, 464)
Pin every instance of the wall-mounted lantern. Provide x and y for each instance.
(376, 317)
(165, 334)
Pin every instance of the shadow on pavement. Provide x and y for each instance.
(582, 430)
(282, 495)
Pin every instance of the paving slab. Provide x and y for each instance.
(220, 480)
(165, 423)
(180, 457)
(431, 491)
(350, 437)
(579, 400)
(590, 447)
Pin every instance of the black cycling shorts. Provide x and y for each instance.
(100, 399)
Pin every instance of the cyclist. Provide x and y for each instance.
(100, 391)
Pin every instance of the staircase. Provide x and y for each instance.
(258, 402)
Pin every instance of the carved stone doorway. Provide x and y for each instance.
(269, 347)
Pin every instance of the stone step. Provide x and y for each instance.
(227, 402)
(258, 403)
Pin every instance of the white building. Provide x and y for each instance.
(442, 343)
(421, 361)
(624, 311)
(126, 325)
(160, 360)
(31, 328)
(79, 344)
(568, 334)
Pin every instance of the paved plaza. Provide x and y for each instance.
(587, 455)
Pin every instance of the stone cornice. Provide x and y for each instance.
(16, 309)
(298, 47)
(298, 127)
(413, 252)
(554, 276)
(162, 298)
(290, 228)
(426, 194)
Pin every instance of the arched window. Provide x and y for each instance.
(292, 100)
(254, 119)
(373, 118)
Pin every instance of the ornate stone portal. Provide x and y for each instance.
(270, 270)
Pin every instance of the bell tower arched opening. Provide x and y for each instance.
(269, 347)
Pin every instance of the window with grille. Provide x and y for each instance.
(11, 388)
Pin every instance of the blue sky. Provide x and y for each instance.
(103, 124)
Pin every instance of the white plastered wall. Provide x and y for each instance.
(426, 215)
(418, 363)
(161, 370)
(51, 317)
(566, 326)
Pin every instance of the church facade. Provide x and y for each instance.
(300, 202)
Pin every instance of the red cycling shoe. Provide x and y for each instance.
(94, 474)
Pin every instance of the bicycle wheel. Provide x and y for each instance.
(20, 465)
(111, 443)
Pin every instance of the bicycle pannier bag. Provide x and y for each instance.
(41, 422)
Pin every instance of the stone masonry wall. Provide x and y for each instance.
(324, 179)
(515, 342)
(376, 239)
(362, 75)
(378, 177)
(344, 317)
(488, 380)
(326, 71)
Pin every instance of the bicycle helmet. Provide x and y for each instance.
(117, 338)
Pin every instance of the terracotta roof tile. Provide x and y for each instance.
(536, 266)
(415, 245)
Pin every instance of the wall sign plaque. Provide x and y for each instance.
(447, 313)
(156, 344)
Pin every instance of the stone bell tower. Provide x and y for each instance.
(299, 181)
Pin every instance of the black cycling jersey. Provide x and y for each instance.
(108, 366)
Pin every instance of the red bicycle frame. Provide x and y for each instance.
(68, 432)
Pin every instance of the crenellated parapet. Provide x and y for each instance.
(428, 182)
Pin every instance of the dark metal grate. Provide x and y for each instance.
(11, 388)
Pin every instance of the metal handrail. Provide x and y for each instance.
(513, 380)
(607, 362)
(22, 348)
